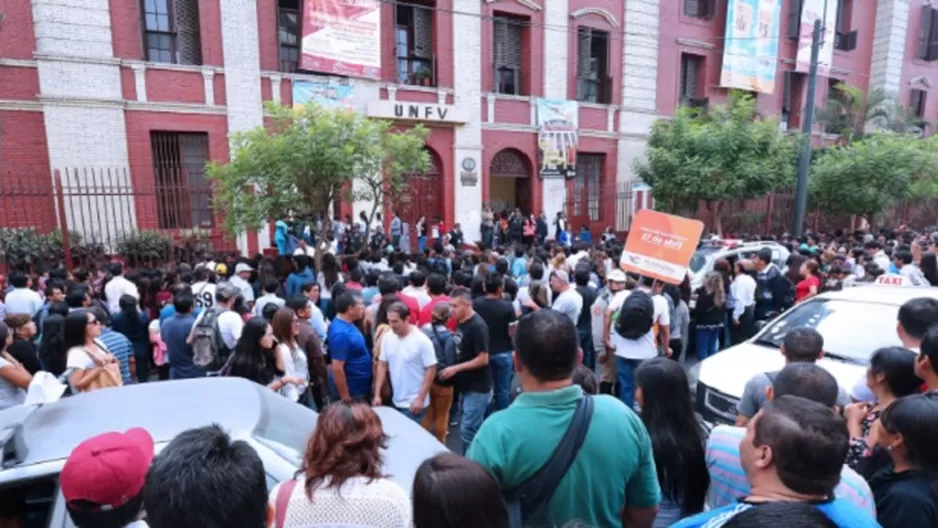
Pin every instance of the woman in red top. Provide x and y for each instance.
(808, 287)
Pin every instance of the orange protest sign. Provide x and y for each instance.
(660, 245)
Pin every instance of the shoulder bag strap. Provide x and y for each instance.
(283, 501)
(537, 491)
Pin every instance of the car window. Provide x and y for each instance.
(851, 330)
(777, 257)
(700, 258)
(31, 501)
(285, 426)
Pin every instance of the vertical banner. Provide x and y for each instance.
(324, 94)
(342, 37)
(813, 10)
(557, 138)
(750, 51)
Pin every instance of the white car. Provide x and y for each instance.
(709, 251)
(854, 323)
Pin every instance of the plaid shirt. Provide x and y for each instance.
(122, 349)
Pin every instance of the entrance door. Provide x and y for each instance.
(510, 182)
(422, 195)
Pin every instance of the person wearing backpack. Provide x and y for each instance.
(640, 322)
(549, 450)
(436, 419)
(216, 331)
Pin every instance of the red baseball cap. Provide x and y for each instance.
(108, 470)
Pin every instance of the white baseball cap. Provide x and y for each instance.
(242, 267)
(616, 276)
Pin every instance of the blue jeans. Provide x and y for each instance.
(502, 370)
(473, 407)
(421, 242)
(708, 341)
(589, 352)
(415, 417)
(626, 369)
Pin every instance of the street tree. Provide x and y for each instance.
(713, 157)
(308, 157)
(868, 176)
(850, 114)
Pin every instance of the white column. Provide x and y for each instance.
(140, 80)
(639, 82)
(242, 79)
(208, 85)
(556, 47)
(889, 45)
(82, 104)
(467, 88)
(275, 81)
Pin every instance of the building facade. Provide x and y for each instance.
(147, 91)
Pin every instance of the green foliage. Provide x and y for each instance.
(868, 176)
(724, 154)
(308, 158)
(24, 247)
(848, 112)
(144, 246)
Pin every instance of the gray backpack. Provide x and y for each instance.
(206, 342)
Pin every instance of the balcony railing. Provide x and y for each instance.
(594, 89)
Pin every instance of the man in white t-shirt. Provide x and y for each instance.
(202, 289)
(240, 280)
(631, 352)
(117, 287)
(230, 324)
(408, 356)
(417, 288)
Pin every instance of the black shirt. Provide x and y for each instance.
(585, 322)
(455, 238)
(497, 314)
(472, 337)
(905, 499)
(26, 353)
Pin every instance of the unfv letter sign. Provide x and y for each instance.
(407, 111)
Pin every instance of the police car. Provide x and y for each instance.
(854, 322)
(709, 251)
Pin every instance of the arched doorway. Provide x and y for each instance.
(510, 182)
(422, 194)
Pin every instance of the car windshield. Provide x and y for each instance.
(852, 330)
(700, 258)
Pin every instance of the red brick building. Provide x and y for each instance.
(146, 92)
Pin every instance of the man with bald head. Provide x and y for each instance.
(743, 298)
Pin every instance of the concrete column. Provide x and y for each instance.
(889, 44)
(467, 88)
(556, 44)
(242, 79)
(81, 96)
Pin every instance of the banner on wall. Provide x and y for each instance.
(812, 10)
(325, 94)
(342, 37)
(557, 138)
(750, 52)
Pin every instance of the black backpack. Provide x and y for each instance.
(636, 316)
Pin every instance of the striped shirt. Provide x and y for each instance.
(728, 481)
(118, 345)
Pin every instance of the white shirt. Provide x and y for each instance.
(24, 301)
(359, 502)
(115, 288)
(266, 299)
(576, 258)
(204, 293)
(244, 286)
(419, 294)
(743, 292)
(408, 359)
(643, 347)
(10, 394)
(294, 364)
(230, 325)
(309, 252)
(570, 303)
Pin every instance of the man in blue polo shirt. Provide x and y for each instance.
(350, 369)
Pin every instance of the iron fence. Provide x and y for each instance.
(80, 217)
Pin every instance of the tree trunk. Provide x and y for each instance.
(715, 208)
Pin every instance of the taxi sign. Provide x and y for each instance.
(891, 279)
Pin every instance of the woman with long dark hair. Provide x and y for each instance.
(929, 267)
(906, 492)
(810, 284)
(327, 277)
(14, 378)
(23, 348)
(710, 314)
(663, 394)
(453, 492)
(290, 356)
(132, 323)
(52, 351)
(95, 366)
(341, 481)
(253, 357)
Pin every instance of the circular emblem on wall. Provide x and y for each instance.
(468, 164)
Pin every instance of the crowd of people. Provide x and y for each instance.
(565, 376)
